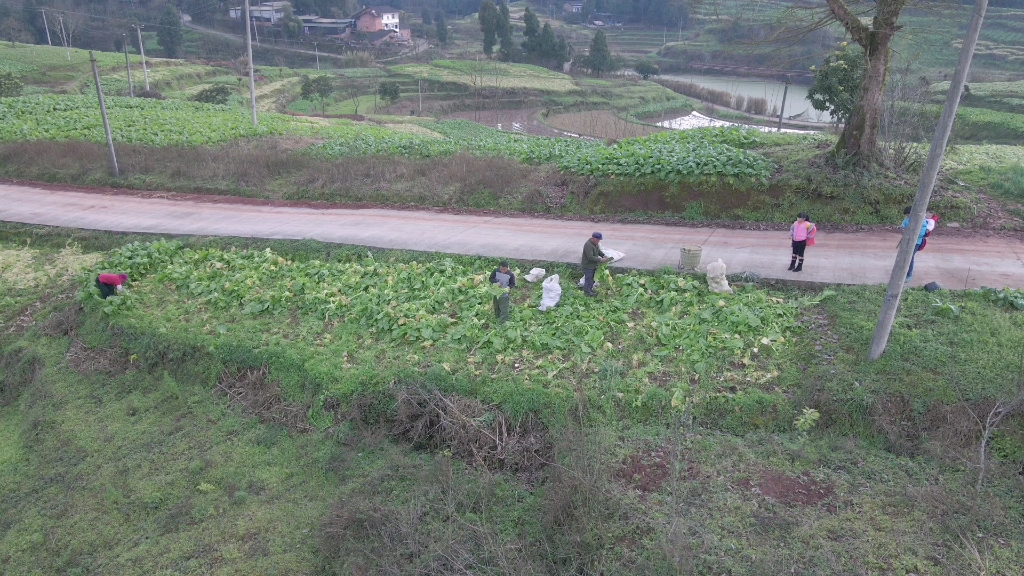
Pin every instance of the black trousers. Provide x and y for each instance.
(588, 279)
(106, 290)
(798, 248)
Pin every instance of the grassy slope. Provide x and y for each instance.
(167, 477)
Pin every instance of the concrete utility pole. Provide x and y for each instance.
(103, 113)
(785, 92)
(131, 88)
(419, 92)
(142, 52)
(248, 54)
(64, 38)
(924, 192)
(317, 51)
(45, 25)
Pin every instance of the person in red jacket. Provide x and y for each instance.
(110, 284)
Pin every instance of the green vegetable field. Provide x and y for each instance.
(443, 309)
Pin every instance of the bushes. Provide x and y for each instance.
(216, 94)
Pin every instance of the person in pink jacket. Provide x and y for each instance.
(800, 232)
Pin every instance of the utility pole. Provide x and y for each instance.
(103, 113)
(45, 25)
(64, 38)
(785, 92)
(248, 54)
(256, 31)
(924, 192)
(142, 51)
(131, 87)
(419, 91)
(317, 50)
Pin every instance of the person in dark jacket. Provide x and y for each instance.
(592, 258)
(110, 284)
(505, 278)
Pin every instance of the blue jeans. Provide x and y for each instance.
(910, 271)
(588, 279)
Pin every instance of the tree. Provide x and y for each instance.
(489, 16)
(442, 28)
(319, 89)
(646, 69)
(168, 35)
(532, 25)
(427, 20)
(14, 30)
(600, 58)
(10, 85)
(33, 18)
(860, 136)
(291, 25)
(216, 94)
(509, 51)
(836, 87)
(389, 91)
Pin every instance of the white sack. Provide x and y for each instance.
(535, 275)
(615, 255)
(552, 293)
(716, 278)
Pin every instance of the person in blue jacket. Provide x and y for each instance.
(920, 238)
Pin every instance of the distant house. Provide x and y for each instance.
(572, 7)
(265, 12)
(376, 19)
(317, 26)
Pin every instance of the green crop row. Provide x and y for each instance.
(675, 155)
(132, 120)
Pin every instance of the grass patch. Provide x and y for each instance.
(136, 463)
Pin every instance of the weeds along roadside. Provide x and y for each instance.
(271, 169)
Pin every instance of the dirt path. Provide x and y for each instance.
(840, 257)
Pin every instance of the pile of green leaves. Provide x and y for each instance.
(672, 156)
(1007, 297)
(448, 304)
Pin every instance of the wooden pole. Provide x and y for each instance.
(908, 244)
(248, 54)
(142, 52)
(131, 87)
(103, 113)
(785, 92)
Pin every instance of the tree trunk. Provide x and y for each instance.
(860, 136)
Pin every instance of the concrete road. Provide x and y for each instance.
(843, 258)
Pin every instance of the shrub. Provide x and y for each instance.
(151, 94)
(10, 85)
(216, 94)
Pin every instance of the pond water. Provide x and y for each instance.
(797, 104)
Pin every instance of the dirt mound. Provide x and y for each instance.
(646, 471)
(472, 431)
(110, 361)
(799, 490)
(251, 389)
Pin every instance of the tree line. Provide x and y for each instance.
(540, 45)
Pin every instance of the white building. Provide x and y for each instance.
(265, 12)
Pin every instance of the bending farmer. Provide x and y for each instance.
(110, 284)
(592, 258)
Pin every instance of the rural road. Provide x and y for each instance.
(842, 258)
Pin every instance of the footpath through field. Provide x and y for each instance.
(954, 262)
